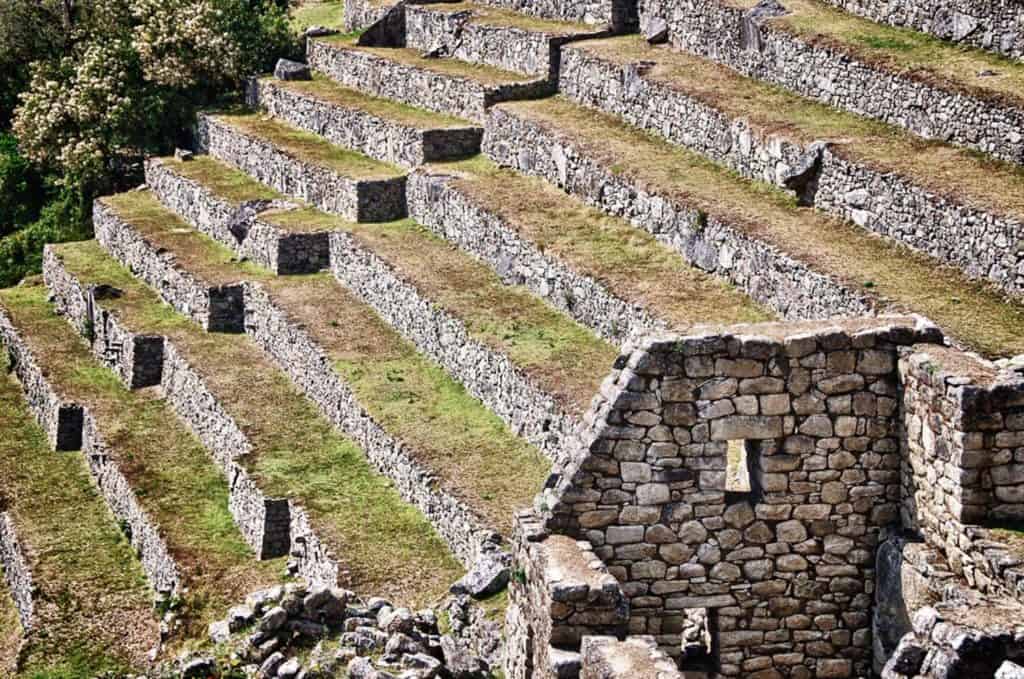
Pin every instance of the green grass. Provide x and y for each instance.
(309, 147)
(322, 87)
(93, 605)
(296, 452)
(169, 470)
(970, 311)
(313, 13)
(499, 16)
(10, 626)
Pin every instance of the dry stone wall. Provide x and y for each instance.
(218, 308)
(637, 657)
(764, 272)
(758, 48)
(382, 138)
(436, 203)
(783, 571)
(996, 25)
(980, 242)
(417, 86)
(239, 227)
(16, 572)
(358, 200)
(486, 373)
(618, 15)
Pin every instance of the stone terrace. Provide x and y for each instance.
(679, 349)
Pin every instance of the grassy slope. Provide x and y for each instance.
(93, 606)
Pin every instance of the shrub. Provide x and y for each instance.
(21, 188)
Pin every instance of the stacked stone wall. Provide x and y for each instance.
(784, 570)
(416, 86)
(16, 571)
(436, 203)
(978, 241)
(618, 15)
(764, 272)
(764, 50)
(996, 25)
(358, 200)
(486, 373)
(382, 138)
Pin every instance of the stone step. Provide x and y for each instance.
(961, 95)
(993, 26)
(295, 483)
(381, 129)
(530, 364)
(938, 199)
(607, 275)
(58, 542)
(302, 164)
(153, 473)
(404, 75)
(479, 34)
(443, 450)
(794, 260)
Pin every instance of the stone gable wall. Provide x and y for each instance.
(978, 241)
(996, 25)
(758, 49)
(785, 571)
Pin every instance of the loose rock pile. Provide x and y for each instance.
(347, 636)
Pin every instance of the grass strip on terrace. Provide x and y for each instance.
(93, 606)
(453, 434)
(502, 17)
(630, 262)
(488, 76)
(944, 169)
(330, 14)
(903, 51)
(330, 92)
(565, 358)
(970, 311)
(10, 623)
(386, 547)
(170, 472)
(309, 147)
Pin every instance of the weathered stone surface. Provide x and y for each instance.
(291, 70)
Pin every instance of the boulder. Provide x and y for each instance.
(287, 69)
(198, 667)
(656, 31)
(319, 31)
(460, 662)
(489, 575)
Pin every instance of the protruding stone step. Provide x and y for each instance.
(134, 446)
(600, 270)
(405, 75)
(937, 90)
(268, 447)
(303, 165)
(940, 200)
(991, 26)
(795, 261)
(417, 426)
(502, 38)
(59, 543)
(381, 129)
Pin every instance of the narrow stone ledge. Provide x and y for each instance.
(435, 203)
(386, 139)
(17, 572)
(269, 246)
(765, 273)
(759, 48)
(466, 34)
(158, 564)
(978, 241)
(358, 200)
(219, 308)
(637, 657)
(373, 73)
(994, 26)
(489, 375)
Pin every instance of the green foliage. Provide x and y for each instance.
(21, 188)
(64, 219)
(30, 30)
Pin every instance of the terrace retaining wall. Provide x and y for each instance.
(756, 47)
(765, 273)
(16, 572)
(437, 204)
(358, 200)
(979, 241)
(378, 137)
